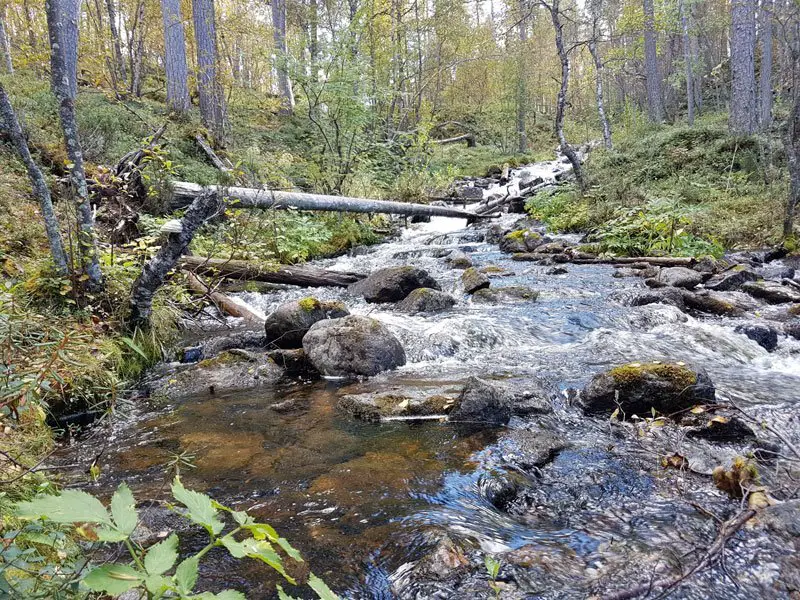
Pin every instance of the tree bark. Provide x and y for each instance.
(743, 115)
(793, 160)
(5, 44)
(282, 56)
(212, 101)
(765, 73)
(137, 55)
(41, 191)
(115, 39)
(655, 101)
(155, 272)
(601, 106)
(302, 275)
(183, 193)
(522, 91)
(63, 62)
(689, 66)
(175, 57)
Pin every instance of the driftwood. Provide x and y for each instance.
(302, 275)
(213, 156)
(183, 193)
(225, 304)
(467, 137)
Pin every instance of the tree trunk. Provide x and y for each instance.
(561, 101)
(138, 51)
(26, 12)
(224, 304)
(655, 101)
(689, 66)
(793, 160)
(183, 193)
(313, 36)
(155, 272)
(765, 74)
(63, 62)
(601, 107)
(118, 58)
(212, 101)
(743, 116)
(40, 189)
(282, 56)
(302, 275)
(175, 57)
(522, 91)
(5, 44)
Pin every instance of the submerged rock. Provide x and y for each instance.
(392, 284)
(762, 334)
(482, 403)
(287, 324)
(474, 280)
(637, 388)
(374, 407)
(426, 300)
(352, 346)
(724, 429)
(528, 449)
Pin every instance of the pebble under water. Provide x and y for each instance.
(367, 503)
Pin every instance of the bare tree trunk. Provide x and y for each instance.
(175, 57)
(601, 106)
(793, 153)
(765, 74)
(115, 39)
(26, 12)
(687, 57)
(522, 91)
(561, 102)
(743, 116)
(212, 101)
(655, 101)
(63, 62)
(313, 36)
(282, 56)
(5, 45)
(10, 123)
(138, 52)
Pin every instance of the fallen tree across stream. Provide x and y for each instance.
(303, 275)
(184, 193)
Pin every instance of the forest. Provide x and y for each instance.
(399, 299)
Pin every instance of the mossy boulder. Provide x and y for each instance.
(522, 240)
(287, 324)
(392, 284)
(458, 260)
(473, 280)
(353, 346)
(426, 300)
(638, 388)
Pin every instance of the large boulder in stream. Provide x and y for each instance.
(473, 280)
(353, 346)
(392, 284)
(287, 324)
(481, 403)
(679, 277)
(762, 334)
(426, 300)
(772, 291)
(522, 240)
(638, 388)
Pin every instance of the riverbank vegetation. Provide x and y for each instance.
(391, 101)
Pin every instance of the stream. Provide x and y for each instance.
(377, 508)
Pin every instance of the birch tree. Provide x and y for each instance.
(5, 45)
(282, 56)
(175, 57)
(655, 101)
(595, 7)
(743, 115)
(522, 88)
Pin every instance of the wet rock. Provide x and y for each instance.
(482, 403)
(238, 339)
(353, 345)
(717, 303)
(514, 293)
(426, 300)
(680, 277)
(294, 361)
(494, 233)
(442, 562)
(669, 295)
(287, 324)
(191, 355)
(284, 406)
(762, 334)
(783, 518)
(731, 279)
(776, 272)
(637, 388)
(557, 247)
(499, 489)
(495, 271)
(774, 293)
(530, 399)
(474, 280)
(708, 265)
(621, 272)
(472, 237)
(392, 284)
(557, 271)
(522, 240)
(529, 449)
(458, 260)
(792, 329)
(374, 407)
(725, 430)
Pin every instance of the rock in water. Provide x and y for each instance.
(772, 292)
(474, 280)
(353, 346)
(426, 300)
(522, 240)
(392, 284)
(731, 279)
(680, 277)
(482, 403)
(458, 260)
(763, 335)
(638, 388)
(288, 323)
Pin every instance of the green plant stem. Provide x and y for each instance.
(134, 555)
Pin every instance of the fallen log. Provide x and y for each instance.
(656, 261)
(213, 156)
(302, 275)
(467, 137)
(224, 304)
(184, 193)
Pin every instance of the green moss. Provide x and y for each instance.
(516, 236)
(309, 304)
(223, 358)
(680, 375)
(794, 310)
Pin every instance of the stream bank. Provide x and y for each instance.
(570, 504)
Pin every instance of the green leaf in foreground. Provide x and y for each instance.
(72, 506)
(123, 509)
(113, 579)
(321, 588)
(162, 556)
(186, 574)
(201, 508)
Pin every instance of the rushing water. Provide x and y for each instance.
(363, 501)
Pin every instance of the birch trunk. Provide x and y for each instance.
(765, 73)
(522, 91)
(5, 44)
(40, 189)
(655, 101)
(282, 56)
(212, 101)
(63, 62)
(115, 39)
(601, 105)
(687, 57)
(175, 57)
(793, 154)
(743, 116)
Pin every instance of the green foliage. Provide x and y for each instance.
(563, 210)
(147, 569)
